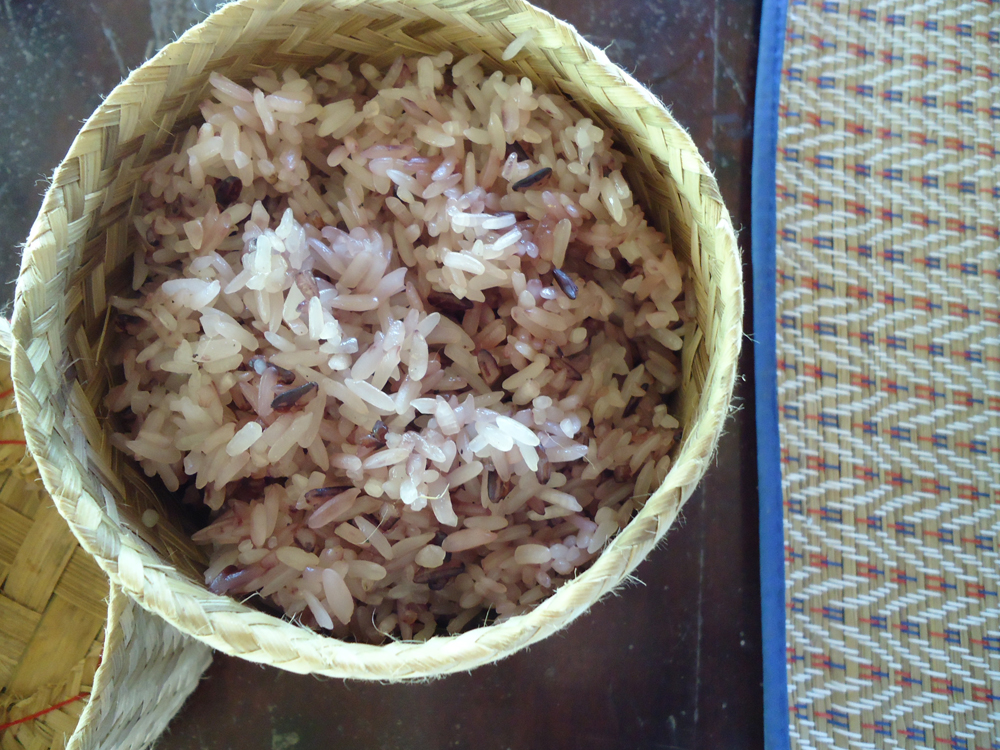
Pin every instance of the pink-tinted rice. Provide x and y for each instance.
(407, 335)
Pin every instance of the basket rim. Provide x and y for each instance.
(239, 630)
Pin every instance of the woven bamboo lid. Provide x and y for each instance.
(79, 253)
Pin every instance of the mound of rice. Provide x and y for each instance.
(407, 336)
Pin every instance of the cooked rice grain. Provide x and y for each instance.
(408, 333)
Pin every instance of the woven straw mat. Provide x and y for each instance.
(888, 262)
(80, 251)
(55, 690)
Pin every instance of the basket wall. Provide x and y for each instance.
(79, 253)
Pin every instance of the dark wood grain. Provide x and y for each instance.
(672, 662)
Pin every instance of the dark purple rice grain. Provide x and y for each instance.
(259, 364)
(567, 284)
(437, 578)
(227, 191)
(222, 582)
(630, 407)
(325, 493)
(285, 377)
(448, 303)
(129, 324)
(544, 471)
(291, 397)
(387, 525)
(488, 367)
(532, 179)
(376, 438)
(516, 148)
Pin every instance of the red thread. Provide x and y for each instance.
(75, 698)
(12, 442)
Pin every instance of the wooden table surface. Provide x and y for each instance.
(671, 662)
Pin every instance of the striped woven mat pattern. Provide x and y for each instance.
(888, 347)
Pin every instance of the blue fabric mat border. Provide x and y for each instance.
(763, 238)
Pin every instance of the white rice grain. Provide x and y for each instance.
(464, 539)
(244, 439)
(317, 609)
(532, 554)
(338, 597)
(431, 556)
(518, 43)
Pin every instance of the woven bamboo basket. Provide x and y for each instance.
(79, 253)
(81, 666)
